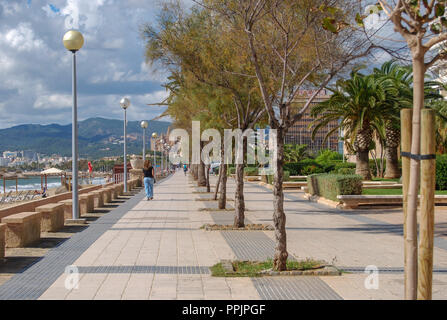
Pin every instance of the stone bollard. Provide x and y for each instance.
(2, 240)
(89, 199)
(107, 194)
(98, 198)
(137, 176)
(22, 229)
(114, 191)
(120, 189)
(52, 217)
(68, 207)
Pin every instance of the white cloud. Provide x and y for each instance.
(85, 13)
(22, 38)
(35, 68)
(53, 101)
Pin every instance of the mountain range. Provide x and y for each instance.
(97, 137)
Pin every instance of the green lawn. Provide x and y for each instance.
(296, 180)
(383, 179)
(382, 192)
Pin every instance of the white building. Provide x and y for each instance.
(10, 154)
(4, 161)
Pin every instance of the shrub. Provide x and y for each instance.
(326, 156)
(231, 170)
(441, 172)
(330, 186)
(286, 175)
(251, 171)
(345, 171)
(270, 179)
(328, 167)
(293, 167)
(296, 168)
(340, 165)
(312, 169)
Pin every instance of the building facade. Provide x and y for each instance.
(301, 132)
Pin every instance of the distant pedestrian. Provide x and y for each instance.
(185, 169)
(44, 192)
(149, 180)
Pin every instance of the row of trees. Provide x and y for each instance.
(243, 59)
(241, 63)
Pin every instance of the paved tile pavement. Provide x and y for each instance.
(156, 250)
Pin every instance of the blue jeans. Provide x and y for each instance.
(149, 186)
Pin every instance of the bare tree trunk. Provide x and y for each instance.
(392, 163)
(362, 164)
(207, 168)
(195, 171)
(223, 188)
(413, 188)
(239, 202)
(219, 179)
(201, 182)
(279, 216)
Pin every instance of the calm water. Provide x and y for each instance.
(33, 183)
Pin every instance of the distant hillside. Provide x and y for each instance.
(98, 137)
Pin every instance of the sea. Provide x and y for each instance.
(33, 183)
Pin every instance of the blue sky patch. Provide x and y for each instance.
(52, 7)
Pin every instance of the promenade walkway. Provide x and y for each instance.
(156, 250)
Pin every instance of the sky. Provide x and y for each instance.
(35, 68)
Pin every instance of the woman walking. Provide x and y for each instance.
(148, 172)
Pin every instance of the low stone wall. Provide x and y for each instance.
(32, 205)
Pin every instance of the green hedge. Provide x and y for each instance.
(330, 186)
(271, 177)
(441, 172)
(251, 171)
(297, 168)
(346, 171)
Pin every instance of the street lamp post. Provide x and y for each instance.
(144, 124)
(162, 156)
(168, 147)
(125, 103)
(166, 157)
(154, 137)
(73, 41)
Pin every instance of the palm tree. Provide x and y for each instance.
(295, 152)
(440, 108)
(402, 80)
(357, 105)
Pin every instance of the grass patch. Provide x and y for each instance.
(296, 180)
(382, 192)
(392, 192)
(383, 179)
(254, 268)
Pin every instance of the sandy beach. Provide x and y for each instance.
(3, 205)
